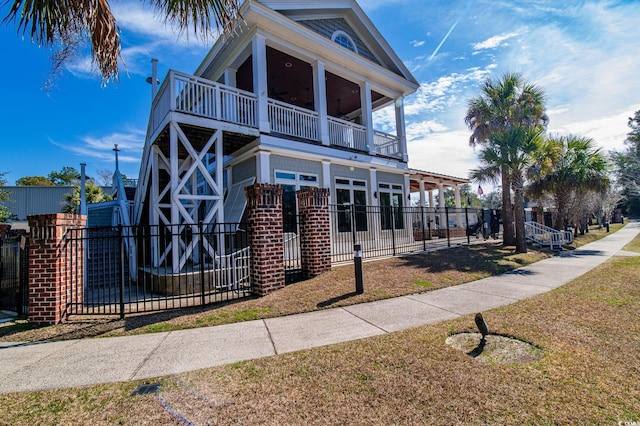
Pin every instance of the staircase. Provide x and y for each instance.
(546, 236)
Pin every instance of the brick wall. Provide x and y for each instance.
(56, 266)
(315, 232)
(264, 209)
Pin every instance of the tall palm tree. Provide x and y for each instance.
(63, 25)
(503, 105)
(568, 168)
(513, 152)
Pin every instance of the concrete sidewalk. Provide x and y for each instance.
(38, 366)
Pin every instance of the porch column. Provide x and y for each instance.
(422, 193)
(263, 166)
(56, 266)
(264, 207)
(441, 206)
(260, 88)
(315, 231)
(456, 195)
(432, 208)
(367, 114)
(375, 193)
(229, 77)
(320, 100)
(400, 129)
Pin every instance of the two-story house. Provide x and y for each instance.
(291, 100)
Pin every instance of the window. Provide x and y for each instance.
(351, 197)
(344, 40)
(291, 182)
(391, 197)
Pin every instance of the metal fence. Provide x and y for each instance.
(149, 268)
(14, 261)
(389, 231)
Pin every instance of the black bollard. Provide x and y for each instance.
(607, 226)
(357, 264)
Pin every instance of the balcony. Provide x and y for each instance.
(204, 98)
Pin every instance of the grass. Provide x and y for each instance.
(587, 373)
(382, 279)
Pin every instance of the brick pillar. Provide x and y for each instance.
(4, 230)
(56, 267)
(264, 206)
(315, 231)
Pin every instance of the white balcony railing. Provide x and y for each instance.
(193, 95)
(347, 135)
(198, 96)
(291, 120)
(386, 144)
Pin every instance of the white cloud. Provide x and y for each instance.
(417, 43)
(495, 41)
(446, 152)
(129, 143)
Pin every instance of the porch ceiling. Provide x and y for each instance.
(290, 80)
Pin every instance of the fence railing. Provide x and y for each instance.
(389, 231)
(218, 268)
(14, 274)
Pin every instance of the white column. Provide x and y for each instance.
(229, 77)
(175, 212)
(326, 174)
(432, 209)
(373, 177)
(407, 190)
(367, 114)
(400, 129)
(263, 167)
(459, 216)
(422, 193)
(441, 206)
(320, 100)
(259, 64)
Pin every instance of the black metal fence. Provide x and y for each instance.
(150, 268)
(388, 231)
(14, 278)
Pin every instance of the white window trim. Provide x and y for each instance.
(297, 181)
(339, 33)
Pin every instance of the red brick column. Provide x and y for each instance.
(56, 267)
(264, 206)
(315, 231)
(4, 230)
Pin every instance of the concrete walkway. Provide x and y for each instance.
(38, 366)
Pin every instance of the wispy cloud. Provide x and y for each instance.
(495, 41)
(417, 43)
(130, 144)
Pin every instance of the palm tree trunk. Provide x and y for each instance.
(508, 236)
(521, 239)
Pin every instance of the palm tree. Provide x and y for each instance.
(569, 167)
(502, 106)
(64, 24)
(512, 153)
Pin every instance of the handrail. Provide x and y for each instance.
(544, 235)
(194, 95)
(386, 144)
(347, 134)
(291, 120)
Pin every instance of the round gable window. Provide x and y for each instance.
(344, 40)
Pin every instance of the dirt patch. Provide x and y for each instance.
(495, 348)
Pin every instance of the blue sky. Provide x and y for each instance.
(584, 54)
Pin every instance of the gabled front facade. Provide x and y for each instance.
(290, 100)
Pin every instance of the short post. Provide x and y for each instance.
(357, 264)
(466, 221)
(446, 215)
(607, 223)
